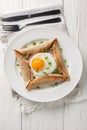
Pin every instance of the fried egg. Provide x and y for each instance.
(42, 64)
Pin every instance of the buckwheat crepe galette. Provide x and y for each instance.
(42, 64)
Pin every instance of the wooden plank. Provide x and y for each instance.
(82, 41)
(71, 12)
(28, 4)
(10, 116)
(75, 116)
(8, 6)
(26, 121)
(45, 119)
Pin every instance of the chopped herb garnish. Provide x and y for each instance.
(26, 57)
(67, 66)
(65, 61)
(46, 49)
(47, 68)
(37, 70)
(42, 50)
(52, 85)
(45, 73)
(29, 66)
(56, 71)
(60, 49)
(51, 48)
(33, 43)
(17, 64)
(25, 46)
(50, 63)
(56, 84)
(41, 42)
(38, 87)
(20, 73)
(33, 76)
(46, 57)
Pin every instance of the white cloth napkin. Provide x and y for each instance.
(27, 106)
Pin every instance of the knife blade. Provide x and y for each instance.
(21, 17)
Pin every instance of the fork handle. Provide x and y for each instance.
(55, 20)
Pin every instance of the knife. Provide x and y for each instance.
(21, 17)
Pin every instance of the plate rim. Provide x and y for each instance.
(33, 28)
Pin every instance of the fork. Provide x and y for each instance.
(17, 27)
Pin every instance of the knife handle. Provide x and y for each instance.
(52, 12)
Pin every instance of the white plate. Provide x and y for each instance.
(70, 52)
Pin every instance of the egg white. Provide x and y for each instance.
(44, 70)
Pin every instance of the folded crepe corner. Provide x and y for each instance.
(50, 78)
(59, 60)
(23, 66)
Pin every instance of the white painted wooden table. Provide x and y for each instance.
(66, 116)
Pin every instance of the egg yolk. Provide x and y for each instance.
(37, 63)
